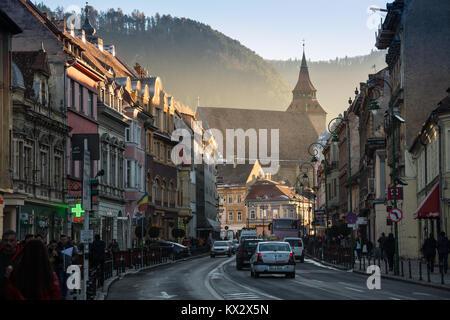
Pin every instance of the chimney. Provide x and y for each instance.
(100, 44)
(72, 30)
(47, 16)
(60, 24)
(111, 49)
(83, 36)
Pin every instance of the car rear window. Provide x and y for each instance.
(221, 243)
(250, 244)
(294, 242)
(274, 247)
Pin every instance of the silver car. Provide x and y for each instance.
(273, 257)
(221, 248)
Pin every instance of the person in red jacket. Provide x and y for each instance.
(32, 277)
(9, 250)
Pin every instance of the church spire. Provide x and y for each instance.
(87, 27)
(304, 94)
(304, 87)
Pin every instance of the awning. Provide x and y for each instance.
(214, 224)
(430, 206)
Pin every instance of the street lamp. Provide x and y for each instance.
(394, 179)
(305, 177)
(313, 150)
(335, 139)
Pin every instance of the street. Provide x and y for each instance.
(210, 279)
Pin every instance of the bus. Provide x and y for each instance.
(284, 227)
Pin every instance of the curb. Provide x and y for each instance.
(425, 284)
(101, 295)
(418, 282)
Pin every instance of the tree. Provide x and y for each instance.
(153, 232)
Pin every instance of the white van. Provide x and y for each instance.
(248, 233)
(297, 247)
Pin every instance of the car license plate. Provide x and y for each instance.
(275, 268)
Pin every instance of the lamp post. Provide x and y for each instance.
(313, 150)
(305, 176)
(394, 179)
(335, 139)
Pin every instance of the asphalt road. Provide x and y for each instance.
(206, 278)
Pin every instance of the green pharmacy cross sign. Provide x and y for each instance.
(78, 212)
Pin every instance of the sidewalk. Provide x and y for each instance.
(434, 280)
(102, 293)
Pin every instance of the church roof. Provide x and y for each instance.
(296, 130)
(304, 84)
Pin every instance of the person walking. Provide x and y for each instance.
(389, 247)
(9, 250)
(53, 254)
(381, 241)
(32, 277)
(98, 248)
(67, 254)
(358, 249)
(429, 251)
(443, 248)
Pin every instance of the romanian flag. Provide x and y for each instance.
(143, 203)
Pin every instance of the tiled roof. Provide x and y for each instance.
(296, 132)
(270, 190)
(234, 175)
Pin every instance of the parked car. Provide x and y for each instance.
(221, 248)
(273, 257)
(246, 249)
(297, 247)
(181, 251)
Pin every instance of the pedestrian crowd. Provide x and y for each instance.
(32, 270)
(385, 249)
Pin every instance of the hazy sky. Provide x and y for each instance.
(273, 29)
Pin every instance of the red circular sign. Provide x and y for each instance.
(395, 215)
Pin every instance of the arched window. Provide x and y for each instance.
(171, 192)
(157, 192)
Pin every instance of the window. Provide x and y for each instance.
(129, 174)
(156, 119)
(44, 168)
(230, 216)
(157, 190)
(230, 198)
(168, 154)
(163, 157)
(164, 121)
(120, 182)
(80, 95)
(239, 216)
(28, 163)
(138, 136)
(113, 169)
(252, 214)
(18, 161)
(335, 188)
(72, 94)
(111, 101)
(262, 212)
(170, 192)
(90, 104)
(239, 198)
(156, 150)
(58, 172)
(275, 213)
(105, 165)
(127, 134)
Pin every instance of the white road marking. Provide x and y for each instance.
(165, 295)
(320, 265)
(349, 288)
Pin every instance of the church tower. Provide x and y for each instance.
(304, 99)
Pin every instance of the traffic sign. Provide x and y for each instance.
(395, 215)
(396, 192)
(86, 236)
(350, 218)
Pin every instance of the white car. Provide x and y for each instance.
(297, 247)
(273, 257)
(221, 248)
